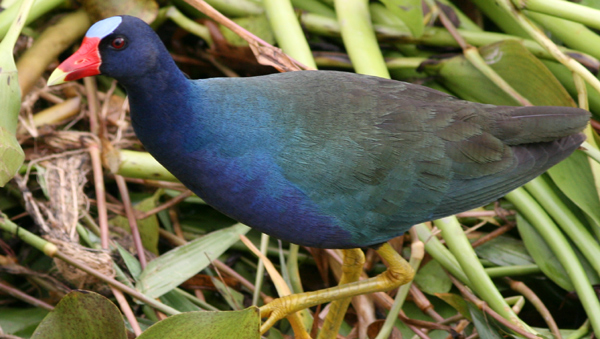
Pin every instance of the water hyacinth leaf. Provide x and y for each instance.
(214, 325)
(176, 266)
(410, 12)
(515, 64)
(505, 251)
(432, 279)
(576, 180)
(82, 314)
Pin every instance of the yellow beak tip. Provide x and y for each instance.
(57, 77)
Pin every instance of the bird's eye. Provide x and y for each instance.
(118, 43)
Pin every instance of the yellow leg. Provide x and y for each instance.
(398, 273)
(354, 259)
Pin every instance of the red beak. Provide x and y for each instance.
(84, 63)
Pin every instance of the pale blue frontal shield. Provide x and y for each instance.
(104, 27)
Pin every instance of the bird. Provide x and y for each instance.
(323, 159)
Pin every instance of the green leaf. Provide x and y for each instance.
(176, 266)
(515, 64)
(82, 314)
(410, 12)
(457, 302)
(485, 326)
(234, 298)
(11, 154)
(15, 320)
(546, 259)
(432, 279)
(179, 302)
(505, 251)
(148, 227)
(208, 325)
(257, 25)
(575, 179)
(133, 265)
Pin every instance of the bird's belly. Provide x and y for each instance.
(253, 190)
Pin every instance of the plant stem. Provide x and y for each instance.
(480, 282)
(359, 38)
(546, 227)
(288, 32)
(562, 9)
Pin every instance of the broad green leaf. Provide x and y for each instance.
(575, 179)
(410, 12)
(546, 259)
(148, 227)
(543, 256)
(432, 279)
(17, 320)
(176, 266)
(505, 251)
(208, 325)
(11, 153)
(82, 314)
(257, 25)
(179, 302)
(515, 64)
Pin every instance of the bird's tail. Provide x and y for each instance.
(533, 124)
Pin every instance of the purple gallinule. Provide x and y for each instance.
(321, 158)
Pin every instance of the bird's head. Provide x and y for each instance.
(120, 47)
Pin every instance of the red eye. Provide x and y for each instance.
(117, 43)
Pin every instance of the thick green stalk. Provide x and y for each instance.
(39, 8)
(511, 271)
(188, 24)
(566, 219)
(359, 38)
(562, 9)
(546, 227)
(440, 253)
(481, 283)
(432, 36)
(572, 34)
(288, 32)
(314, 6)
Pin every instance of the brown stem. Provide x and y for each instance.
(6, 288)
(164, 206)
(482, 305)
(520, 287)
(100, 193)
(137, 239)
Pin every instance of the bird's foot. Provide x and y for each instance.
(398, 273)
